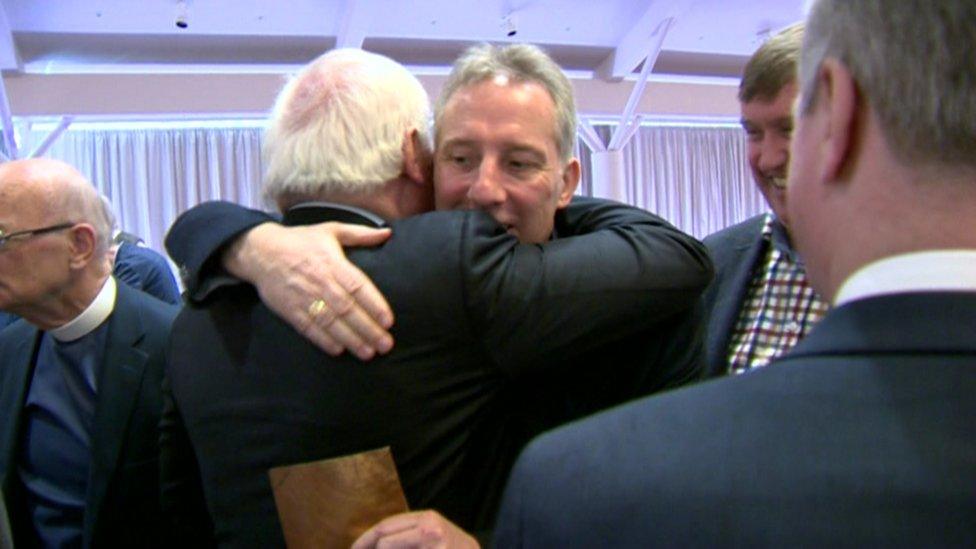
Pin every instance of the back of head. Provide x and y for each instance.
(338, 127)
(519, 63)
(914, 65)
(108, 210)
(772, 66)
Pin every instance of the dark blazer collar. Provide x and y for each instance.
(118, 390)
(16, 355)
(308, 213)
(738, 253)
(921, 322)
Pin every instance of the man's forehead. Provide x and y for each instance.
(469, 107)
(21, 201)
(14, 215)
(784, 95)
(502, 86)
(758, 113)
(782, 120)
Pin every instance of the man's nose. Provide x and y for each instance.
(487, 189)
(774, 154)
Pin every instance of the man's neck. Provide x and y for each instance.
(64, 305)
(387, 201)
(918, 213)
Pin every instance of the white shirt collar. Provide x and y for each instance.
(929, 271)
(90, 318)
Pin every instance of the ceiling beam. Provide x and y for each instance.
(631, 50)
(248, 95)
(9, 139)
(354, 16)
(9, 56)
(52, 137)
(626, 119)
(588, 136)
(624, 133)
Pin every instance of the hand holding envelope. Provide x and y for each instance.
(330, 503)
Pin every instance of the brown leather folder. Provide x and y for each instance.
(330, 503)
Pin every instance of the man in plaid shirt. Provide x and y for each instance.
(760, 304)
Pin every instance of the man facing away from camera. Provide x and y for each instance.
(862, 435)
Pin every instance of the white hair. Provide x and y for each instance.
(338, 126)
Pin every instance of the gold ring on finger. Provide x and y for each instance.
(317, 308)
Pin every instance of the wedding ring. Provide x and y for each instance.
(317, 308)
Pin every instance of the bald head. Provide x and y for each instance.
(55, 261)
(47, 191)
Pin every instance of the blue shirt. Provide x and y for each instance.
(55, 445)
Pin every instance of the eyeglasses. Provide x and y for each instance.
(4, 238)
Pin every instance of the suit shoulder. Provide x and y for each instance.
(150, 307)
(15, 331)
(468, 231)
(735, 232)
(140, 260)
(439, 221)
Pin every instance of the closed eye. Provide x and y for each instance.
(459, 160)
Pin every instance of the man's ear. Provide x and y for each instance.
(571, 178)
(416, 157)
(839, 96)
(82, 245)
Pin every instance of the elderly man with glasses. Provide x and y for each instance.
(80, 373)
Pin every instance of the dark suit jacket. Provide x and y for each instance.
(122, 505)
(6, 535)
(7, 319)
(862, 436)
(736, 251)
(477, 313)
(147, 270)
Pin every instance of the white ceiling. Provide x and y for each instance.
(609, 38)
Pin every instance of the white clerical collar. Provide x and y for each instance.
(930, 271)
(90, 318)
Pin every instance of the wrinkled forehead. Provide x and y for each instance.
(23, 202)
(497, 101)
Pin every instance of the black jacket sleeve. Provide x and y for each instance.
(199, 236)
(621, 270)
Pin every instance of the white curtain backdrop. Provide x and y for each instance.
(153, 175)
(695, 177)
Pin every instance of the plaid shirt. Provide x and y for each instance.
(780, 306)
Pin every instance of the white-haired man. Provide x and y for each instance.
(482, 318)
(80, 373)
(863, 434)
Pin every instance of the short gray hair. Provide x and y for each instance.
(338, 126)
(913, 62)
(520, 63)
